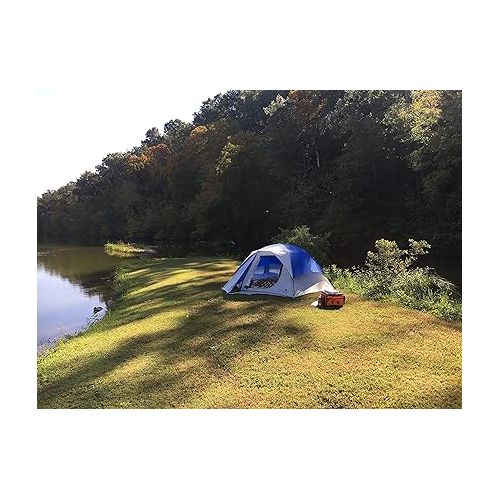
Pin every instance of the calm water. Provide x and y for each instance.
(71, 282)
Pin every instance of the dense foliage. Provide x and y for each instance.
(317, 245)
(389, 274)
(360, 165)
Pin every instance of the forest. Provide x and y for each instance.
(353, 166)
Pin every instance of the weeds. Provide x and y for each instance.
(388, 275)
(122, 249)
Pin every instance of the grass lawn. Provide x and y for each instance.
(174, 339)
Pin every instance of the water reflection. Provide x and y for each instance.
(71, 282)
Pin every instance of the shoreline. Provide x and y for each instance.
(174, 340)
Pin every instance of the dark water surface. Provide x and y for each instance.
(71, 281)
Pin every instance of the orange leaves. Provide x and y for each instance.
(198, 131)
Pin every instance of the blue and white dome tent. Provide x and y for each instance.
(280, 269)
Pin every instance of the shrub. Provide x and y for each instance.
(349, 280)
(388, 275)
(317, 245)
(389, 263)
(422, 289)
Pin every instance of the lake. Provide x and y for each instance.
(71, 281)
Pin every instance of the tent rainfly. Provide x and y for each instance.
(280, 269)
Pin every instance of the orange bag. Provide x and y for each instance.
(331, 299)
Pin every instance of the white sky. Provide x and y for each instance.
(96, 76)
(79, 124)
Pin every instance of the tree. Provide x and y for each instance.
(361, 165)
(153, 137)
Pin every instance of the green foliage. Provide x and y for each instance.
(345, 279)
(153, 137)
(389, 258)
(356, 164)
(317, 245)
(229, 151)
(279, 102)
(386, 266)
(422, 289)
(388, 275)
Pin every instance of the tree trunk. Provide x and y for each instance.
(318, 164)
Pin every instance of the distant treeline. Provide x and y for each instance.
(361, 165)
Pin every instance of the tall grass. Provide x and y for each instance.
(122, 249)
(387, 275)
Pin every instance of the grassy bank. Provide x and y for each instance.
(418, 289)
(122, 249)
(175, 340)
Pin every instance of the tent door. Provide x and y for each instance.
(263, 274)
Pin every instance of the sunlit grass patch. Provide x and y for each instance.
(122, 249)
(174, 339)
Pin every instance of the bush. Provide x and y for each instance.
(390, 263)
(345, 279)
(388, 275)
(422, 289)
(317, 245)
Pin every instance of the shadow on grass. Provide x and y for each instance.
(193, 332)
(210, 330)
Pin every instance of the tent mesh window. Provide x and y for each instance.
(267, 272)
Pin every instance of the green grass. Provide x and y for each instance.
(122, 249)
(174, 339)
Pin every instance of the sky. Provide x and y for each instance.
(78, 125)
(92, 77)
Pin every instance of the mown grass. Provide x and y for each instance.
(122, 249)
(175, 340)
